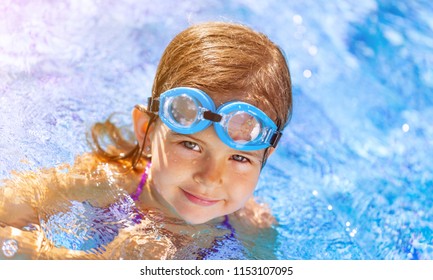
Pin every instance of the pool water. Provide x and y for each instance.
(353, 175)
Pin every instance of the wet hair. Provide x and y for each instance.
(226, 60)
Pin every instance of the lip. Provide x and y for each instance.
(199, 200)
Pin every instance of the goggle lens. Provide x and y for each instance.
(184, 110)
(243, 127)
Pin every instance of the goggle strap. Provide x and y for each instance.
(152, 105)
(275, 138)
(211, 116)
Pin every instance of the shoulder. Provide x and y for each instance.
(255, 214)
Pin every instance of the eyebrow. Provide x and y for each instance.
(176, 134)
(254, 153)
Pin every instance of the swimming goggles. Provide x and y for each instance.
(239, 125)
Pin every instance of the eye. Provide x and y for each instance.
(240, 158)
(191, 146)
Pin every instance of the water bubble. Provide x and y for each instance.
(10, 247)
(297, 19)
(312, 50)
(307, 73)
(394, 37)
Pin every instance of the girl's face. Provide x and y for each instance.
(198, 177)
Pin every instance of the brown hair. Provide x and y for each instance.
(226, 60)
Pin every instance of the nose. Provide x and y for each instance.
(209, 172)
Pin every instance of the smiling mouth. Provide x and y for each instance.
(199, 200)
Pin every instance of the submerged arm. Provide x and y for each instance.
(19, 197)
(255, 228)
(27, 197)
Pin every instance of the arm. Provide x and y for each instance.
(26, 196)
(255, 228)
(18, 199)
(255, 215)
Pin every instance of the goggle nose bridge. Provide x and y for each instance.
(211, 116)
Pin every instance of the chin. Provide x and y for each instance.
(196, 220)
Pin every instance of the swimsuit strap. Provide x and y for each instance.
(227, 224)
(143, 181)
(219, 244)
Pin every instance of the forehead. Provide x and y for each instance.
(256, 99)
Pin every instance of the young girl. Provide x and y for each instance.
(220, 100)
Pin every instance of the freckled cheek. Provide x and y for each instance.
(178, 160)
(166, 158)
(182, 160)
(170, 168)
(240, 188)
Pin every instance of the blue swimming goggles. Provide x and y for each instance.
(239, 125)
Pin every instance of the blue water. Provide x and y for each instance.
(353, 176)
